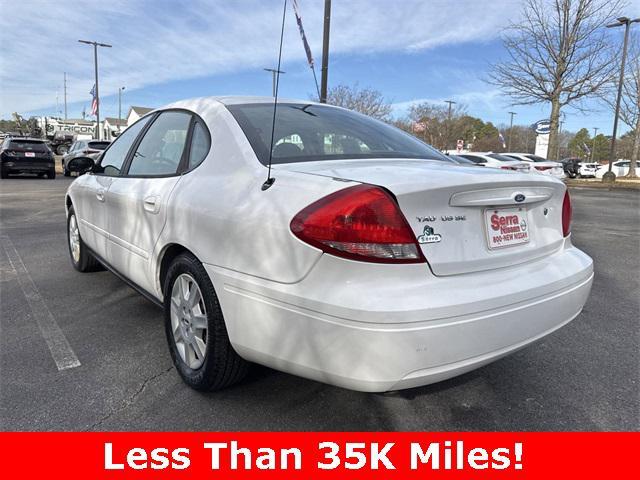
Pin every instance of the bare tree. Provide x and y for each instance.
(630, 101)
(558, 53)
(364, 100)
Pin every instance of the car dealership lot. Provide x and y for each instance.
(583, 377)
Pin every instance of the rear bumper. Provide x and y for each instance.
(389, 333)
(26, 167)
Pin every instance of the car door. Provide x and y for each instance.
(138, 199)
(92, 204)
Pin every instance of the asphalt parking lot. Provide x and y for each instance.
(586, 376)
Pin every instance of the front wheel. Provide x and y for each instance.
(62, 149)
(195, 328)
(81, 259)
(51, 175)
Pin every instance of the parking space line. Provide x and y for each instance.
(59, 347)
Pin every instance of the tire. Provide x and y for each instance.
(62, 149)
(51, 175)
(85, 261)
(220, 366)
(65, 172)
(3, 173)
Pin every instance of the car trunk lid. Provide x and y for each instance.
(457, 213)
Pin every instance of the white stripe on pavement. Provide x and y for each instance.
(59, 347)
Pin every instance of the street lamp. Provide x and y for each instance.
(609, 176)
(446, 140)
(593, 146)
(95, 64)
(120, 107)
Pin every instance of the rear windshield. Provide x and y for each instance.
(99, 145)
(502, 158)
(536, 158)
(28, 145)
(307, 133)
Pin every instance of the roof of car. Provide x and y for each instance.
(241, 100)
(30, 139)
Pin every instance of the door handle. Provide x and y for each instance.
(100, 194)
(151, 204)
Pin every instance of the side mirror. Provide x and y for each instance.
(81, 165)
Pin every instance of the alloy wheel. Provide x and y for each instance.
(74, 239)
(189, 321)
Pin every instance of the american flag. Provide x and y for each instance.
(94, 103)
(307, 50)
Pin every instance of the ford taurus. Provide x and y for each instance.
(368, 260)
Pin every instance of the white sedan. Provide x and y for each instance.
(539, 164)
(587, 170)
(620, 168)
(366, 259)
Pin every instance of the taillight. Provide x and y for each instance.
(542, 169)
(508, 168)
(566, 214)
(360, 223)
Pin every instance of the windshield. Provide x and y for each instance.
(99, 145)
(307, 133)
(502, 158)
(28, 145)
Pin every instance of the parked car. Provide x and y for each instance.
(571, 166)
(620, 168)
(539, 164)
(83, 148)
(495, 160)
(26, 155)
(588, 170)
(362, 258)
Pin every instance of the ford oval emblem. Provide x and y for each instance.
(519, 198)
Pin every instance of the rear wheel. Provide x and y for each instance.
(81, 258)
(3, 173)
(52, 173)
(62, 149)
(195, 328)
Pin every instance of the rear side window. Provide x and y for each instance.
(161, 148)
(28, 146)
(200, 145)
(114, 157)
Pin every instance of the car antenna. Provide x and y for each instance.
(270, 179)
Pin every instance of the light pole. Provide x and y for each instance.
(274, 72)
(559, 141)
(95, 64)
(450, 102)
(609, 176)
(65, 96)
(120, 107)
(511, 128)
(324, 71)
(593, 145)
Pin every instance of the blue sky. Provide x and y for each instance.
(167, 50)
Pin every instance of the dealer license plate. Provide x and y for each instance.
(29, 154)
(506, 227)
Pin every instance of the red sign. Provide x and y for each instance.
(315, 455)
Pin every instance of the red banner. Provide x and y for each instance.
(318, 455)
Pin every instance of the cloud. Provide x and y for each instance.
(162, 41)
